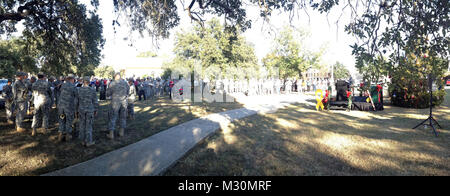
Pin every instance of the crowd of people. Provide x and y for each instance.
(252, 87)
(76, 97)
(150, 88)
(72, 97)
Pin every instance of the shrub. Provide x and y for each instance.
(414, 94)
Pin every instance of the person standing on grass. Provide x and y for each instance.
(57, 84)
(87, 108)
(20, 93)
(171, 84)
(66, 108)
(42, 94)
(7, 94)
(131, 99)
(97, 84)
(140, 89)
(50, 81)
(118, 90)
(29, 83)
(136, 85)
(147, 88)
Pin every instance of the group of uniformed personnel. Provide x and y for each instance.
(71, 102)
(250, 87)
(151, 88)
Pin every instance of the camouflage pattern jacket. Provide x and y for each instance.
(8, 93)
(57, 84)
(119, 90)
(41, 92)
(20, 91)
(68, 97)
(87, 100)
(132, 94)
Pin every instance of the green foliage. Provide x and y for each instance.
(289, 57)
(14, 55)
(373, 70)
(409, 82)
(68, 39)
(405, 39)
(340, 71)
(217, 49)
(104, 72)
(62, 34)
(410, 30)
(416, 96)
(158, 17)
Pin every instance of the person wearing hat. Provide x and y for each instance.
(9, 101)
(51, 83)
(86, 108)
(42, 94)
(66, 108)
(147, 88)
(79, 82)
(57, 91)
(131, 99)
(118, 90)
(141, 89)
(20, 94)
(29, 83)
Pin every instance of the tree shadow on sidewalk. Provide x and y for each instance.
(26, 155)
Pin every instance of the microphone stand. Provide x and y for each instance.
(430, 118)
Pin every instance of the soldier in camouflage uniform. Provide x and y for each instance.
(20, 93)
(131, 99)
(118, 90)
(57, 84)
(29, 83)
(42, 95)
(9, 101)
(66, 107)
(51, 83)
(87, 108)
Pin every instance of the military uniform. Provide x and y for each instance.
(52, 88)
(57, 91)
(118, 90)
(20, 92)
(42, 94)
(29, 83)
(131, 100)
(9, 101)
(87, 106)
(147, 88)
(66, 107)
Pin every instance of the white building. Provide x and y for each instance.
(138, 67)
(315, 74)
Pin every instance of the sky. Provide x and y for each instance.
(118, 51)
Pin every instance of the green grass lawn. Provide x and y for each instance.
(22, 154)
(298, 140)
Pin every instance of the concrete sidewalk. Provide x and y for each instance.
(154, 155)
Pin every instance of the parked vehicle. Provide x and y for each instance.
(448, 82)
(3, 82)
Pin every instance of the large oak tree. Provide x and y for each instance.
(67, 38)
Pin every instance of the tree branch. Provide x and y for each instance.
(22, 12)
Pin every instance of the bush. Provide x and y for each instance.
(415, 97)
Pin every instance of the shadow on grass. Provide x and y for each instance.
(298, 140)
(26, 155)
